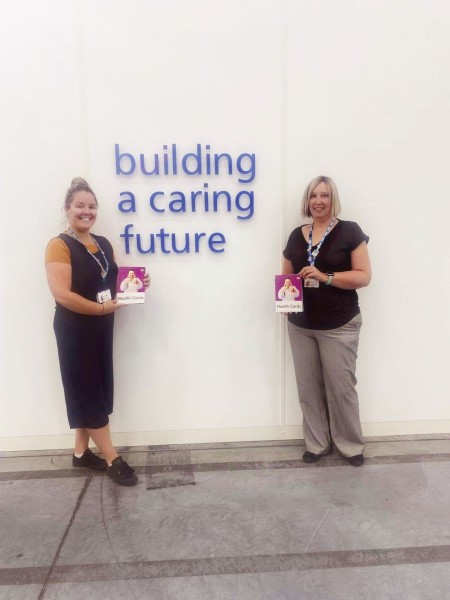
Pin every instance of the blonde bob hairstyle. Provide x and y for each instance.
(335, 202)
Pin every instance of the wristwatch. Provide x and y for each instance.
(329, 281)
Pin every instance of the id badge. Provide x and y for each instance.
(311, 283)
(103, 296)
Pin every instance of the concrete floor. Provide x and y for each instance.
(243, 521)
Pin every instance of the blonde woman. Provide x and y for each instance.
(331, 255)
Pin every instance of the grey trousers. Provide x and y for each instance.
(325, 364)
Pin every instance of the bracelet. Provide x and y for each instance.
(103, 310)
(329, 281)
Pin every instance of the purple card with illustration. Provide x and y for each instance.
(130, 285)
(288, 293)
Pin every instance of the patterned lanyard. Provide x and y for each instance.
(104, 271)
(313, 255)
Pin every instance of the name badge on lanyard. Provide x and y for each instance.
(104, 296)
(312, 254)
(310, 282)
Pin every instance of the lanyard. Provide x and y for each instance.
(313, 255)
(104, 271)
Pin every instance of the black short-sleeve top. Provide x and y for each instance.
(326, 307)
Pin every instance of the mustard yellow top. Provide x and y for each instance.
(58, 251)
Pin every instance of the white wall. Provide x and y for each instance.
(356, 90)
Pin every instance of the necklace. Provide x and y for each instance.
(103, 270)
(312, 254)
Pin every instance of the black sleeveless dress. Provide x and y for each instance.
(85, 342)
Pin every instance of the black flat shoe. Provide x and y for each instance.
(89, 460)
(356, 461)
(310, 457)
(121, 472)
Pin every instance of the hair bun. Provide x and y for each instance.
(78, 184)
(78, 181)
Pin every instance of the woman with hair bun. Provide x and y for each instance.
(331, 256)
(82, 274)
